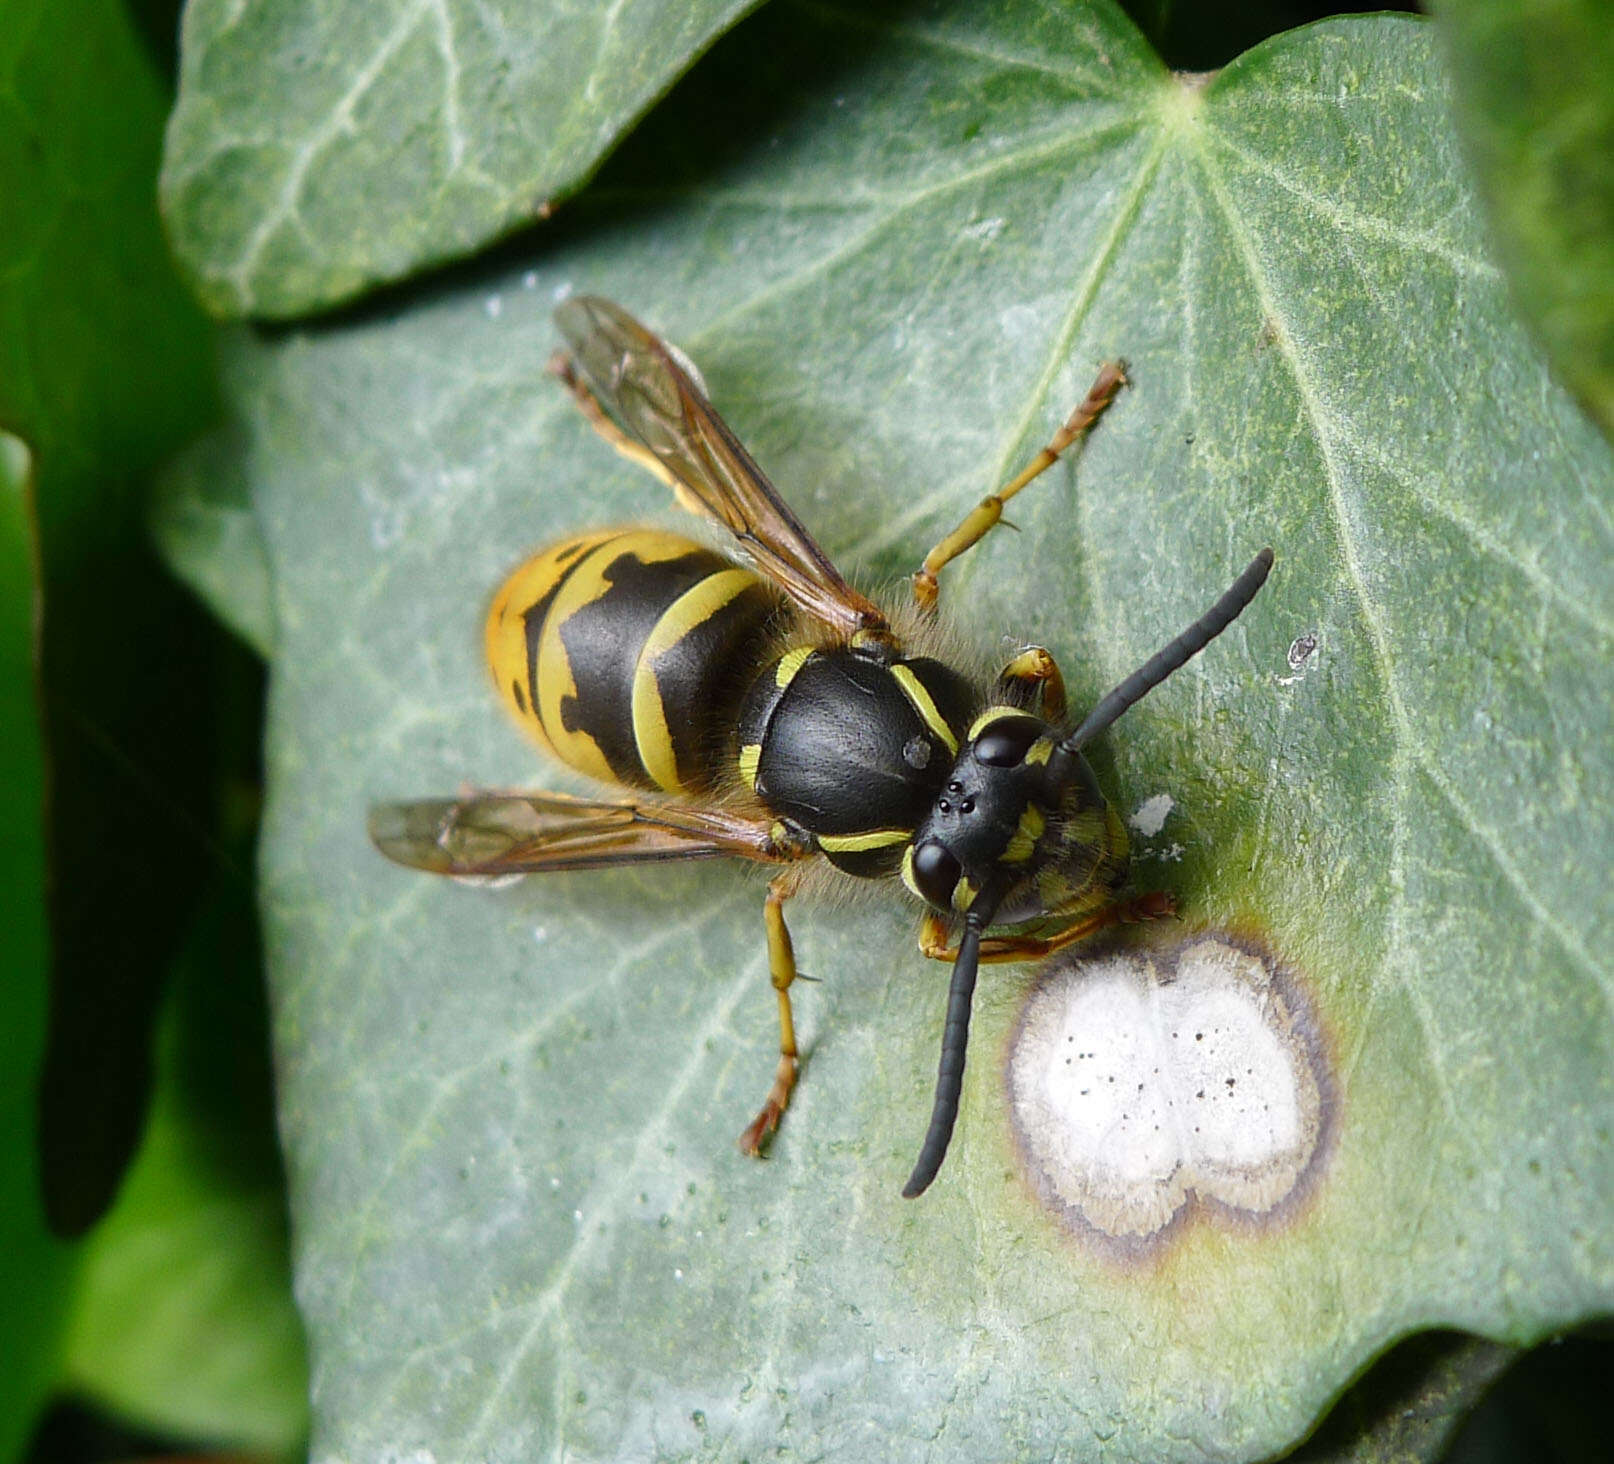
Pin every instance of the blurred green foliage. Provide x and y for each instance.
(34, 1268)
(125, 717)
(1534, 86)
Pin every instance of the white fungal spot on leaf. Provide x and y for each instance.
(1141, 1081)
(1150, 816)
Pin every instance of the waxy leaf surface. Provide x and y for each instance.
(317, 149)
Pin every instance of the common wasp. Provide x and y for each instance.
(769, 711)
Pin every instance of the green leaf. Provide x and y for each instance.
(899, 252)
(103, 365)
(184, 1320)
(1534, 88)
(35, 1269)
(316, 150)
(205, 529)
(105, 369)
(1411, 1405)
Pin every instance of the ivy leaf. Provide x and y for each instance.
(183, 1319)
(204, 526)
(38, 1267)
(105, 367)
(1535, 93)
(316, 149)
(899, 248)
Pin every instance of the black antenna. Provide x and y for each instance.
(1170, 658)
(955, 1038)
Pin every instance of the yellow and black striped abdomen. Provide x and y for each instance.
(624, 653)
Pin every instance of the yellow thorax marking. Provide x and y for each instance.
(789, 664)
(907, 872)
(750, 756)
(989, 716)
(858, 843)
(914, 689)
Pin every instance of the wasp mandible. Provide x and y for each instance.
(768, 711)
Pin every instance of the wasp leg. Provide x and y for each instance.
(782, 970)
(1035, 667)
(1153, 906)
(986, 514)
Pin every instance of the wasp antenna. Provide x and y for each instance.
(955, 1039)
(1172, 657)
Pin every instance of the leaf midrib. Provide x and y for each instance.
(1407, 753)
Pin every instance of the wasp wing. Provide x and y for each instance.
(646, 387)
(522, 833)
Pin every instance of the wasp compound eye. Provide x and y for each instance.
(1005, 742)
(936, 873)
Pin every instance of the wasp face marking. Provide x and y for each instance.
(1018, 816)
(987, 816)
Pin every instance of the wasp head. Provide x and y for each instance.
(1011, 820)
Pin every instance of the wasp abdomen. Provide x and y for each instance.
(624, 654)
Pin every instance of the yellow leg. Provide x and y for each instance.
(986, 514)
(782, 970)
(1154, 906)
(1036, 667)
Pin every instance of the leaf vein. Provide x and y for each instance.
(608, 1207)
(1356, 222)
(1322, 420)
(894, 210)
(895, 527)
(1568, 938)
(285, 206)
(940, 41)
(1324, 425)
(1549, 590)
